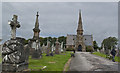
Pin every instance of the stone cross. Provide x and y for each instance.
(14, 24)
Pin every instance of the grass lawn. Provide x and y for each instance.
(117, 59)
(52, 63)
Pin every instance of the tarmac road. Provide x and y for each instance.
(84, 61)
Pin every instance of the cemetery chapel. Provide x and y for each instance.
(79, 42)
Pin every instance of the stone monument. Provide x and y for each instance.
(57, 47)
(64, 49)
(15, 53)
(48, 48)
(61, 46)
(53, 48)
(37, 53)
(35, 41)
(103, 49)
(44, 48)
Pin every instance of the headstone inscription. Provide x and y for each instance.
(15, 53)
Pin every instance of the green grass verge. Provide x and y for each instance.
(58, 62)
(117, 59)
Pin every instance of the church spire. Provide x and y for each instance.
(80, 29)
(37, 23)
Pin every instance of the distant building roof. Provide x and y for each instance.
(71, 39)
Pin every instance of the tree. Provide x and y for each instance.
(62, 39)
(95, 45)
(53, 40)
(110, 42)
(41, 40)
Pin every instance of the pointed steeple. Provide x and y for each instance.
(36, 24)
(80, 28)
(36, 29)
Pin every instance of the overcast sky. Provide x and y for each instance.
(60, 19)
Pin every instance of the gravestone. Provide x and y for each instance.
(48, 49)
(103, 49)
(52, 50)
(44, 48)
(98, 50)
(41, 49)
(57, 47)
(64, 49)
(37, 53)
(61, 47)
(15, 53)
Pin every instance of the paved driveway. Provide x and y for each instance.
(84, 61)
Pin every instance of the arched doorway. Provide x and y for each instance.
(79, 48)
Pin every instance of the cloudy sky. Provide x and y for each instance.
(61, 18)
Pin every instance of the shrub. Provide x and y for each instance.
(89, 49)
